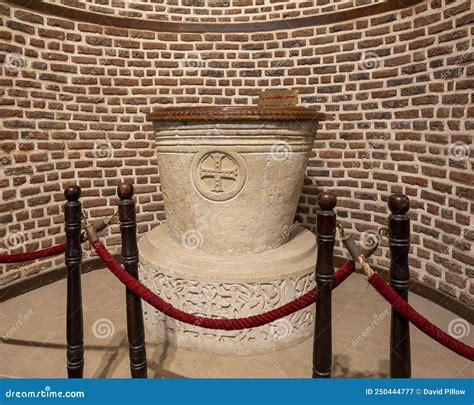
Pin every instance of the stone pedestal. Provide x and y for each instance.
(228, 287)
(231, 179)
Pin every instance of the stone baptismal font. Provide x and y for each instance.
(231, 178)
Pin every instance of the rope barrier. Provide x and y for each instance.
(134, 285)
(50, 251)
(37, 254)
(210, 323)
(305, 300)
(423, 324)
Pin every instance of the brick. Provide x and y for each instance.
(388, 128)
(29, 17)
(17, 26)
(57, 22)
(51, 33)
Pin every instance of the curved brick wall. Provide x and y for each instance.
(396, 88)
(213, 10)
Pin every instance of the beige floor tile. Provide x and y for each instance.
(35, 344)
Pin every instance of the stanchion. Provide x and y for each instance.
(399, 242)
(73, 259)
(326, 233)
(135, 325)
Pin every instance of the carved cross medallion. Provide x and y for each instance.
(217, 172)
(218, 175)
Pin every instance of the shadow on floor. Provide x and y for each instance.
(112, 355)
(342, 369)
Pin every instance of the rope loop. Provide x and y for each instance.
(168, 309)
(56, 249)
(299, 303)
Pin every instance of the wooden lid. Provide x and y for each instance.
(202, 113)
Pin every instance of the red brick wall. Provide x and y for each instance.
(396, 87)
(213, 10)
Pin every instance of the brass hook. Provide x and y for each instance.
(91, 232)
(111, 219)
(341, 229)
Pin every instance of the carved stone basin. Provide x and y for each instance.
(231, 178)
(232, 174)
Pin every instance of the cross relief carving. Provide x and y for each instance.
(216, 171)
(219, 175)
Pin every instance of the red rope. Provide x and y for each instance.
(418, 320)
(209, 323)
(47, 252)
(37, 254)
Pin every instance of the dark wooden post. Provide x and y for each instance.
(326, 233)
(135, 326)
(73, 259)
(399, 242)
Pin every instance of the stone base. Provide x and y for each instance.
(228, 287)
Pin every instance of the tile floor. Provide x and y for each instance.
(34, 339)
